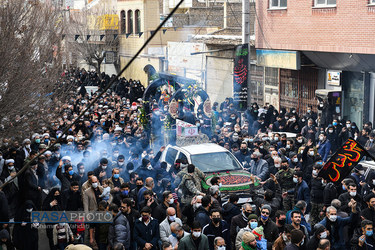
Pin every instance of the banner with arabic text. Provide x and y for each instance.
(240, 76)
(343, 161)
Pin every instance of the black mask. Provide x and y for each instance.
(247, 214)
(282, 222)
(216, 220)
(139, 186)
(244, 150)
(254, 158)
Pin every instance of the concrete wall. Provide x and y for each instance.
(219, 78)
(348, 27)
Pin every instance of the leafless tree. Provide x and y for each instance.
(30, 37)
(93, 33)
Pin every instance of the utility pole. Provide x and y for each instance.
(246, 40)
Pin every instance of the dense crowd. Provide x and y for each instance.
(109, 162)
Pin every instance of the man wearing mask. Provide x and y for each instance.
(309, 130)
(320, 233)
(146, 231)
(346, 197)
(159, 212)
(102, 171)
(196, 240)
(252, 224)
(165, 225)
(285, 178)
(333, 138)
(243, 153)
(190, 185)
(71, 200)
(123, 193)
(284, 239)
(363, 237)
(258, 166)
(216, 228)
(91, 196)
(115, 181)
(67, 177)
(119, 231)
(177, 234)
(324, 146)
(316, 194)
(280, 218)
(270, 229)
(335, 224)
(240, 221)
(302, 191)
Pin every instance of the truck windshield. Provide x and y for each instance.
(215, 162)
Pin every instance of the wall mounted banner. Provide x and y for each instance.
(240, 76)
(343, 161)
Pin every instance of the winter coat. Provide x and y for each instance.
(190, 186)
(238, 222)
(337, 239)
(119, 231)
(260, 169)
(165, 229)
(369, 243)
(324, 149)
(270, 230)
(65, 179)
(316, 192)
(68, 233)
(209, 231)
(147, 234)
(187, 243)
(203, 216)
(229, 211)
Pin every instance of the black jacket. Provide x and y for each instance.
(329, 193)
(238, 222)
(316, 192)
(211, 232)
(229, 211)
(71, 201)
(270, 231)
(146, 234)
(369, 244)
(65, 179)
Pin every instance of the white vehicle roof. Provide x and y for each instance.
(203, 148)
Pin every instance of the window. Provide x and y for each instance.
(274, 4)
(123, 22)
(182, 156)
(130, 21)
(171, 156)
(325, 3)
(372, 2)
(137, 20)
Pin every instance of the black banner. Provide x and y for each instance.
(240, 76)
(343, 161)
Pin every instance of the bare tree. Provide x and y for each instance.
(30, 36)
(94, 32)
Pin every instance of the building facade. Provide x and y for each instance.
(332, 46)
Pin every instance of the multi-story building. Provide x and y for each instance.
(320, 44)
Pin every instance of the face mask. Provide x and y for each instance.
(330, 131)
(149, 167)
(333, 218)
(172, 218)
(116, 176)
(125, 192)
(276, 139)
(261, 147)
(95, 185)
(61, 224)
(28, 146)
(334, 123)
(253, 225)
(104, 167)
(295, 160)
(170, 201)
(216, 220)
(282, 222)
(300, 140)
(197, 205)
(71, 172)
(369, 233)
(116, 155)
(371, 140)
(311, 153)
(144, 218)
(373, 182)
(323, 235)
(277, 165)
(11, 168)
(264, 217)
(315, 172)
(295, 180)
(82, 171)
(353, 193)
(196, 234)
(348, 125)
(29, 210)
(288, 146)
(37, 141)
(321, 138)
(221, 248)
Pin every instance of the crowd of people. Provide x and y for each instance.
(106, 162)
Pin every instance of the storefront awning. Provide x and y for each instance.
(342, 61)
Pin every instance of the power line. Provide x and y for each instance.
(25, 166)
